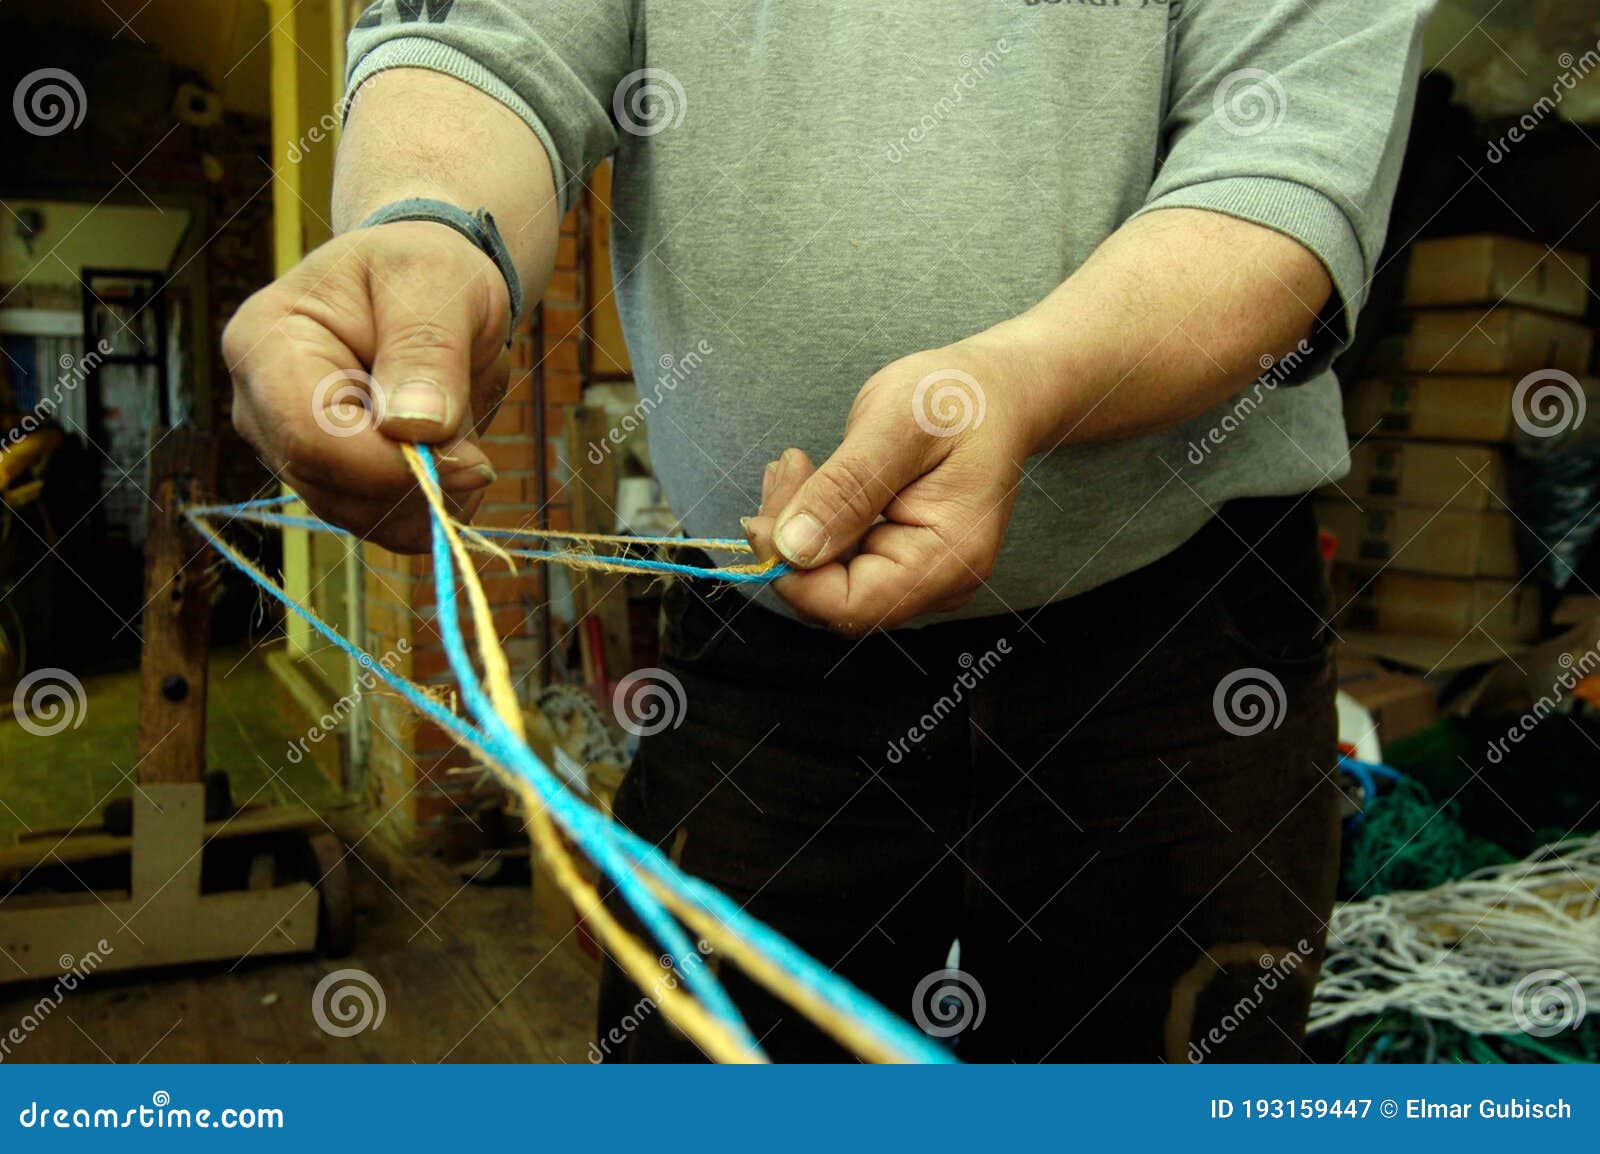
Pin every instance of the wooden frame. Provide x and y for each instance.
(164, 917)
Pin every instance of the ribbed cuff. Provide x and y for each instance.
(420, 52)
(1300, 213)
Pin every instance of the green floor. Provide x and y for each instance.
(58, 780)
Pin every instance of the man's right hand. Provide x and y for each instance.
(383, 335)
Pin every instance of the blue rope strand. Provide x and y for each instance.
(585, 825)
(499, 740)
(737, 544)
(238, 506)
(797, 962)
(286, 520)
(650, 565)
(575, 821)
(246, 511)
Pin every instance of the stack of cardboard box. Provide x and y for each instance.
(1426, 545)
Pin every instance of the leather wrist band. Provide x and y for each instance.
(478, 227)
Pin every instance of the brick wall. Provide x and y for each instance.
(409, 759)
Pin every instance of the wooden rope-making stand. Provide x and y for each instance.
(188, 878)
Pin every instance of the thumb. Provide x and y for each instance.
(837, 504)
(428, 321)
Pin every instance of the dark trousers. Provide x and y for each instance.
(1122, 806)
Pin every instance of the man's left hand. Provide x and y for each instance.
(908, 515)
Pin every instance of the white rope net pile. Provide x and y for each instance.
(1512, 948)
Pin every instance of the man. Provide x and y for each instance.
(1017, 319)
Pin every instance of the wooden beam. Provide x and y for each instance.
(164, 919)
(177, 613)
(43, 847)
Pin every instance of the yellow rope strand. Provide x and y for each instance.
(842, 1027)
(715, 1037)
(685, 1012)
(720, 544)
(595, 561)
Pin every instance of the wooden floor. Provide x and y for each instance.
(464, 972)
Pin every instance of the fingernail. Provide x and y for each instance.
(418, 401)
(469, 480)
(801, 538)
(767, 478)
(744, 523)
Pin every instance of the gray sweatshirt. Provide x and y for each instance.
(806, 190)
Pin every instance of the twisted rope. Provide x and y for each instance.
(656, 890)
(480, 538)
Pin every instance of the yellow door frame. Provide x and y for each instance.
(307, 81)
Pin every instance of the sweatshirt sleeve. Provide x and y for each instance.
(555, 63)
(1294, 115)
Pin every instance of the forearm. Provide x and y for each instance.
(413, 132)
(1172, 314)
